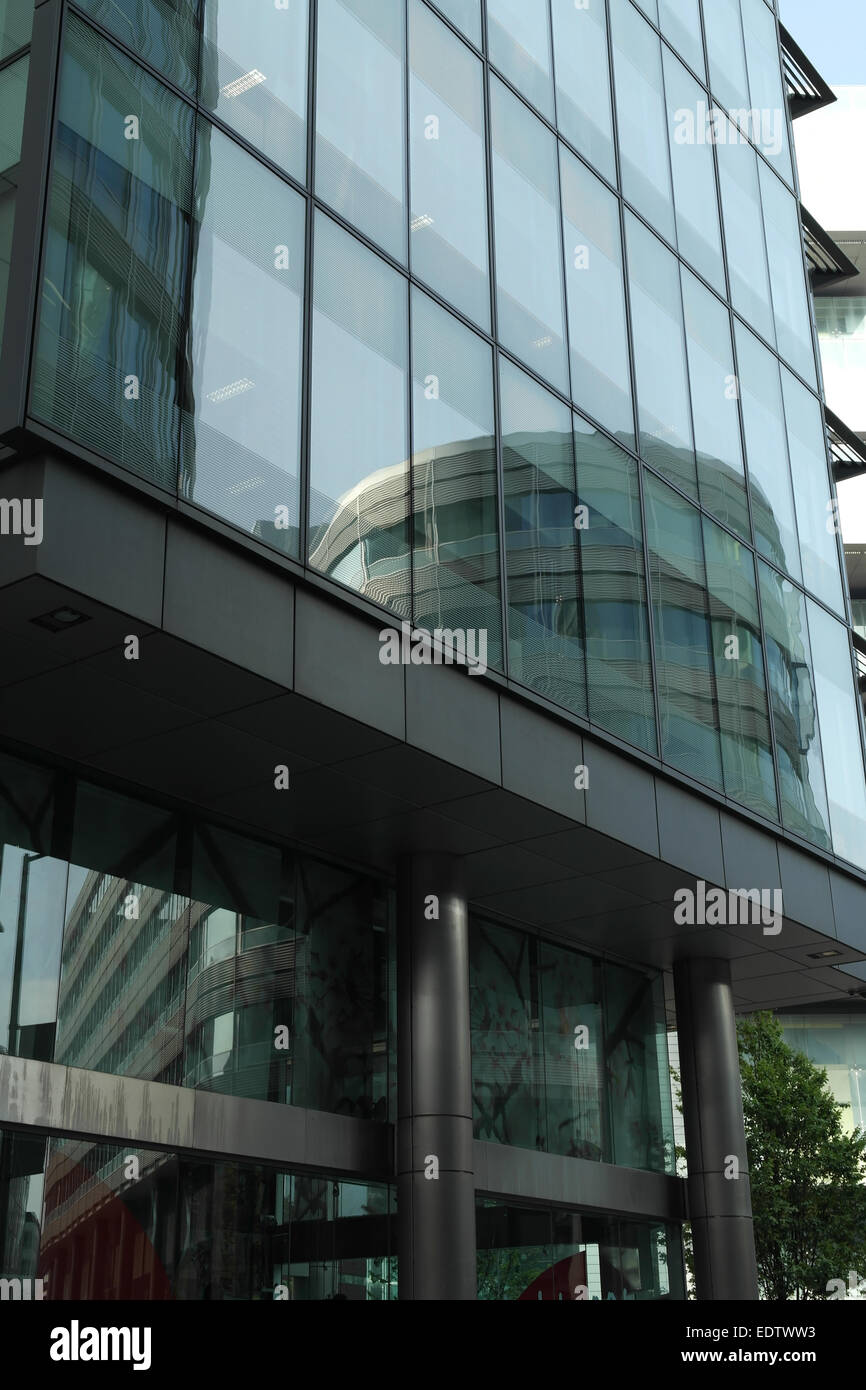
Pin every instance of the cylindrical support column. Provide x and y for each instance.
(435, 1180)
(720, 1202)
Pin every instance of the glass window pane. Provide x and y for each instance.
(583, 81)
(112, 313)
(518, 42)
(747, 755)
(787, 276)
(574, 1077)
(795, 716)
(456, 519)
(726, 54)
(638, 1081)
(528, 246)
(597, 335)
(683, 637)
(360, 117)
(807, 448)
(744, 234)
(765, 85)
(506, 1097)
(769, 478)
(641, 117)
(619, 671)
(164, 33)
(13, 90)
(680, 21)
(254, 76)
(545, 640)
(465, 14)
(660, 356)
(241, 419)
(448, 180)
(839, 718)
(359, 448)
(713, 384)
(699, 239)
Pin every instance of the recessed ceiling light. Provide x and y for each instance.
(243, 84)
(822, 955)
(59, 619)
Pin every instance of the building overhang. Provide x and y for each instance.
(806, 88)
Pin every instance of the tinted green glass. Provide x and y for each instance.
(359, 446)
(766, 455)
(465, 14)
(614, 589)
(838, 717)
(638, 1086)
(13, 90)
(680, 21)
(660, 356)
(456, 524)
(598, 341)
(528, 238)
(728, 80)
(448, 178)
(807, 448)
(111, 330)
(164, 33)
(574, 1060)
(641, 117)
(506, 1096)
(765, 85)
(787, 275)
(545, 640)
(699, 239)
(254, 76)
(688, 703)
(241, 417)
(518, 42)
(16, 24)
(747, 755)
(795, 717)
(360, 117)
(714, 393)
(583, 111)
(744, 233)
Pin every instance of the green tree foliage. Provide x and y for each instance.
(808, 1197)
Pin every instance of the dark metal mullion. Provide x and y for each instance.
(305, 455)
(634, 396)
(410, 318)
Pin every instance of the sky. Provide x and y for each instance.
(832, 34)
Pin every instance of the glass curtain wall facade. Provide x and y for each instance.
(499, 325)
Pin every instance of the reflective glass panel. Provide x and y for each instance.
(807, 448)
(545, 641)
(683, 636)
(680, 21)
(697, 208)
(747, 754)
(714, 393)
(795, 715)
(583, 81)
(13, 90)
(111, 331)
(660, 356)
(456, 522)
(360, 117)
(765, 85)
(518, 42)
(727, 57)
(574, 1052)
(241, 417)
(507, 1097)
(16, 24)
(448, 179)
(165, 33)
(769, 478)
(254, 76)
(838, 716)
(641, 117)
(787, 275)
(638, 1087)
(528, 246)
(619, 671)
(598, 341)
(465, 14)
(359, 448)
(744, 235)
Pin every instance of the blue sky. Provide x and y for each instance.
(832, 33)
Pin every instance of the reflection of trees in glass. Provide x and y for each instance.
(504, 1100)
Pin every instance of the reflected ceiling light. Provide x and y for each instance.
(243, 84)
(542, 342)
(59, 619)
(248, 485)
(422, 220)
(234, 388)
(822, 955)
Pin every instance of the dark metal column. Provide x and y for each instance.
(435, 1181)
(720, 1203)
